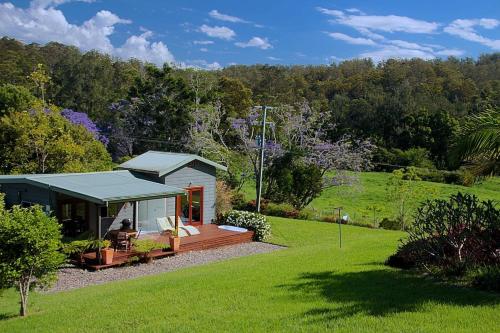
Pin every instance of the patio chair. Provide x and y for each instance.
(122, 241)
(164, 225)
(188, 228)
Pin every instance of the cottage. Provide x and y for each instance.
(145, 188)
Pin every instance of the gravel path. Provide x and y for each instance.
(72, 277)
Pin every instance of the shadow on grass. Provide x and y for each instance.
(378, 293)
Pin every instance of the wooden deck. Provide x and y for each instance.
(210, 237)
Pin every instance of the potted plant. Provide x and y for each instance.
(145, 246)
(106, 252)
(175, 240)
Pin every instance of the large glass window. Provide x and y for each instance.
(149, 211)
(74, 217)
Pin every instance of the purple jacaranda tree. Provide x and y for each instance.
(301, 128)
(339, 161)
(81, 118)
(208, 138)
(248, 131)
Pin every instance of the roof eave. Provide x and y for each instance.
(164, 172)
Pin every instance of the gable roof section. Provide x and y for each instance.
(162, 163)
(98, 187)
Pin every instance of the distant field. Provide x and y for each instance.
(358, 201)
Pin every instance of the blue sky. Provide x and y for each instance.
(214, 34)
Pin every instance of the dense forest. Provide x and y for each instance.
(410, 110)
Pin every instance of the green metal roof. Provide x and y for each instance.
(162, 163)
(98, 187)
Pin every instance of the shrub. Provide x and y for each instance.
(224, 197)
(238, 201)
(307, 214)
(77, 248)
(406, 256)
(486, 278)
(454, 237)
(417, 157)
(281, 210)
(329, 218)
(249, 220)
(145, 246)
(461, 230)
(390, 224)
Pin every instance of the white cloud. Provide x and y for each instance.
(273, 58)
(261, 43)
(354, 10)
(141, 48)
(389, 51)
(370, 34)
(53, 3)
(203, 42)
(409, 45)
(203, 49)
(350, 39)
(465, 29)
(332, 12)
(218, 32)
(383, 48)
(42, 22)
(387, 23)
(333, 59)
(450, 53)
(201, 64)
(224, 17)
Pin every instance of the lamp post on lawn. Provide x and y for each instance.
(341, 220)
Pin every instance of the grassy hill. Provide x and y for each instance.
(358, 201)
(312, 286)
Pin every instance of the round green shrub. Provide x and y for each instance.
(390, 224)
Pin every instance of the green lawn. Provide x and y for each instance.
(309, 287)
(357, 200)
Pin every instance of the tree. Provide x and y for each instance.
(14, 98)
(30, 256)
(43, 141)
(401, 189)
(479, 143)
(40, 79)
(161, 105)
(81, 118)
(291, 180)
(236, 98)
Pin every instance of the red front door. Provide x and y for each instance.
(191, 206)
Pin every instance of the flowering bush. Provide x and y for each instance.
(249, 220)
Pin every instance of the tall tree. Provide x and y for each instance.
(43, 141)
(161, 104)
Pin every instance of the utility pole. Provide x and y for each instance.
(262, 147)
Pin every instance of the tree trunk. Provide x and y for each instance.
(24, 286)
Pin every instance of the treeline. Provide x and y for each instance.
(411, 109)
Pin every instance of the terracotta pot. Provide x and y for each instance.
(175, 243)
(107, 256)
